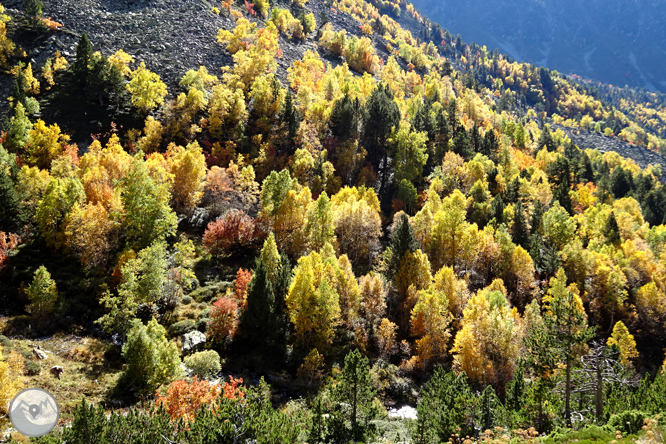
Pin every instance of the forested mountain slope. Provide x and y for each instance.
(338, 196)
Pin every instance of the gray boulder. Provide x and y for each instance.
(192, 341)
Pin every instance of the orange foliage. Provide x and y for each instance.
(240, 285)
(223, 318)
(8, 242)
(183, 399)
(51, 24)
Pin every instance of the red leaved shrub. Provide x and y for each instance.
(223, 318)
(231, 233)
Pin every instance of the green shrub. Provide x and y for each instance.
(205, 364)
(210, 291)
(151, 359)
(32, 368)
(259, 421)
(205, 313)
(588, 435)
(628, 422)
(186, 300)
(4, 341)
(181, 327)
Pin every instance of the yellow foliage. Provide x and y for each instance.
(313, 303)
(45, 143)
(430, 318)
(188, 166)
(146, 88)
(51, 67)
(488, 346)
(624, 341)
(90, 234)
(11, 378)
(121, 60)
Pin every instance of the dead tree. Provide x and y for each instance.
(600, 366)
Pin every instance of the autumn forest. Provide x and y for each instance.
(394, 239)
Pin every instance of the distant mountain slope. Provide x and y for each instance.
(173, 37)
(621, 42)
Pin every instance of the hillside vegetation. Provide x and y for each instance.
(356, 212)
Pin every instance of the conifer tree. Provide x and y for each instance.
(354, 393)
(536, 218)
(402, 241)
(382, 114)
(345, 117)
(546, 140)
(612, 230)
(18, 130)
(84, 58)
(42, 293)
(566, 326)
(257, 321)
(33, 8)
(519, 229)
(291, 120)
(13, 213)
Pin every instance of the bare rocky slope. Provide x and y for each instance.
(172, 37)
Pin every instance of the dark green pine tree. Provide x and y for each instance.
(317, 432)
(489, 146)
(84, 58)
(345, 118)
(103, 80)
(537, 216)
(585, 172)
(290, 118)
(603, 192)
(447, 407)
(260, 323)
(546, 140)
(515, 390)
(382, 114)
(462, 145)
(612, 230)
(280, 291)
(475, 139)
(621, 182)
(551, 259)
(454, 123)
(425, 121)
(18, 88)
(33, 8)
(497, 210)
(354, 395)
(536, 252)
(489, 408)
(402, 241)
(654, 206)
(519, 229)
(559, 174)
(442, 136)
(88, 425)
(13, 214)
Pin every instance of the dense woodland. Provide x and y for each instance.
(370, 233)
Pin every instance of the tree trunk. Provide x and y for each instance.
(567, 393)
(599, 394)
(353, 421)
